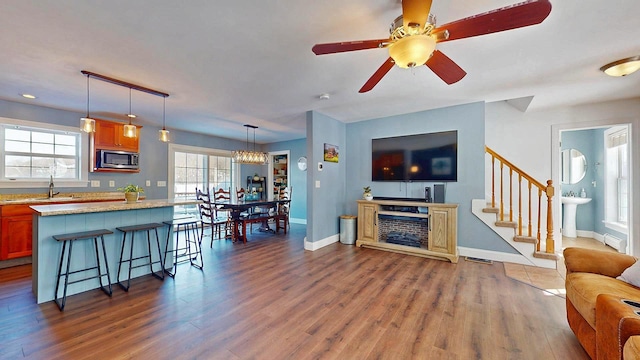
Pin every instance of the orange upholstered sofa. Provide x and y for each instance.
(601, 309)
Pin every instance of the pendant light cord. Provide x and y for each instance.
(87, 96)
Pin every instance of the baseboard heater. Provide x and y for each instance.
(616, 243)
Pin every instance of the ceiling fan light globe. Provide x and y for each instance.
(412, 51)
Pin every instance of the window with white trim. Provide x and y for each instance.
(34, 152)
(617, 178)
(193, 167)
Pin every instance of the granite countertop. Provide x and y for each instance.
(92, 207)
(21, 199)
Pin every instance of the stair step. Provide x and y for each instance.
(525, 239)
(544, 255)
(491, 210)
(509, 224)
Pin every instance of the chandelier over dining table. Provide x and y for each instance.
(247, 156)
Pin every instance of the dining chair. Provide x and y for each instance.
(283, 209)
(211, 215)
(240, 194)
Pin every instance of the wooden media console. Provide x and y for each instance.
(409, 227)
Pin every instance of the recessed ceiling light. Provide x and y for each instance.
(28, 96)
(622, 67)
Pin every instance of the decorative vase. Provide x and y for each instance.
(131, 197)
(368, 196)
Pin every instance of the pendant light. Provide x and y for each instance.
(87, 124)
(163, 135)
(130, 130)
(247, 156)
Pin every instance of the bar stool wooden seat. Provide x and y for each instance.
(70, 239)
(189, 226)
(130, 261)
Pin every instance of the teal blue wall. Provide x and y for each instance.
(590, 216)
(589, 142)
(326, 203)
(468, 120)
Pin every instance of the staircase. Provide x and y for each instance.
(516, 224)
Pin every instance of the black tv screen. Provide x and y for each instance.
(421, 157)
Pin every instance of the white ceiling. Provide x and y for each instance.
(230, 63)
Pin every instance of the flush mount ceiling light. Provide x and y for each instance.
(163, 135)
(87, 124)
(129, 130)
(622, 67)
(28, 96)
(247, 156)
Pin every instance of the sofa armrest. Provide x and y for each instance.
(595, 261)
(616, 322)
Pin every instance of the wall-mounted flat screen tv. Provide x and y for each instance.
(421, 157)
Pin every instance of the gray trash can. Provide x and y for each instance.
(348, 229)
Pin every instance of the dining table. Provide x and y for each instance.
(240, 210)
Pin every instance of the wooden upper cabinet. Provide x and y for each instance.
(109, 135)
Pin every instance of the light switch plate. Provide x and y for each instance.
(112, 183)
(317, 183)
(162, 183)
(95, 183)
(147, 183)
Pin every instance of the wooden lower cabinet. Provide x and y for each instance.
(440, 232)
(15, 231)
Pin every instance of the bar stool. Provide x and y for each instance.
(190, 228)
(133, 229)
(70, 238)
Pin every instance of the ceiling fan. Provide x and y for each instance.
(414, 36)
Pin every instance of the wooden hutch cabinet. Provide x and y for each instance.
(432, 227)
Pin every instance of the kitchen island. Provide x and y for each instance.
(50, 220)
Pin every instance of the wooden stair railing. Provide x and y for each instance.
(547, 189)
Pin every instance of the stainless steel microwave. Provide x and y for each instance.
(111, 159)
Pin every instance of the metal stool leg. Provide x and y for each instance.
(106, 264)
(159, 275)
(66, 277)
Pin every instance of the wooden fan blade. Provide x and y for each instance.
(332, 48)
(377, 76)
(445, 68)
(415, 12)
(527, 13)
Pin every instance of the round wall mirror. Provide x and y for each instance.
(574, 166)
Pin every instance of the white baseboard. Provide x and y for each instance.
(586, 234)
(313, 246)
(298, 221)
(495, 256)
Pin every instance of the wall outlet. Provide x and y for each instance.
(112, 183)
(162, 183)
(95, 183)
(147, 183)
(317, 183)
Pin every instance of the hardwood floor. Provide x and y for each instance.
(270, 299)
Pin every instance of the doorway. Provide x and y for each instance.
(595, 172)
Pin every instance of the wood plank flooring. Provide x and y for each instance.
(270, 299)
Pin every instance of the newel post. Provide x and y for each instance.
(550, 247)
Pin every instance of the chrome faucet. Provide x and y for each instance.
(51, 193)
